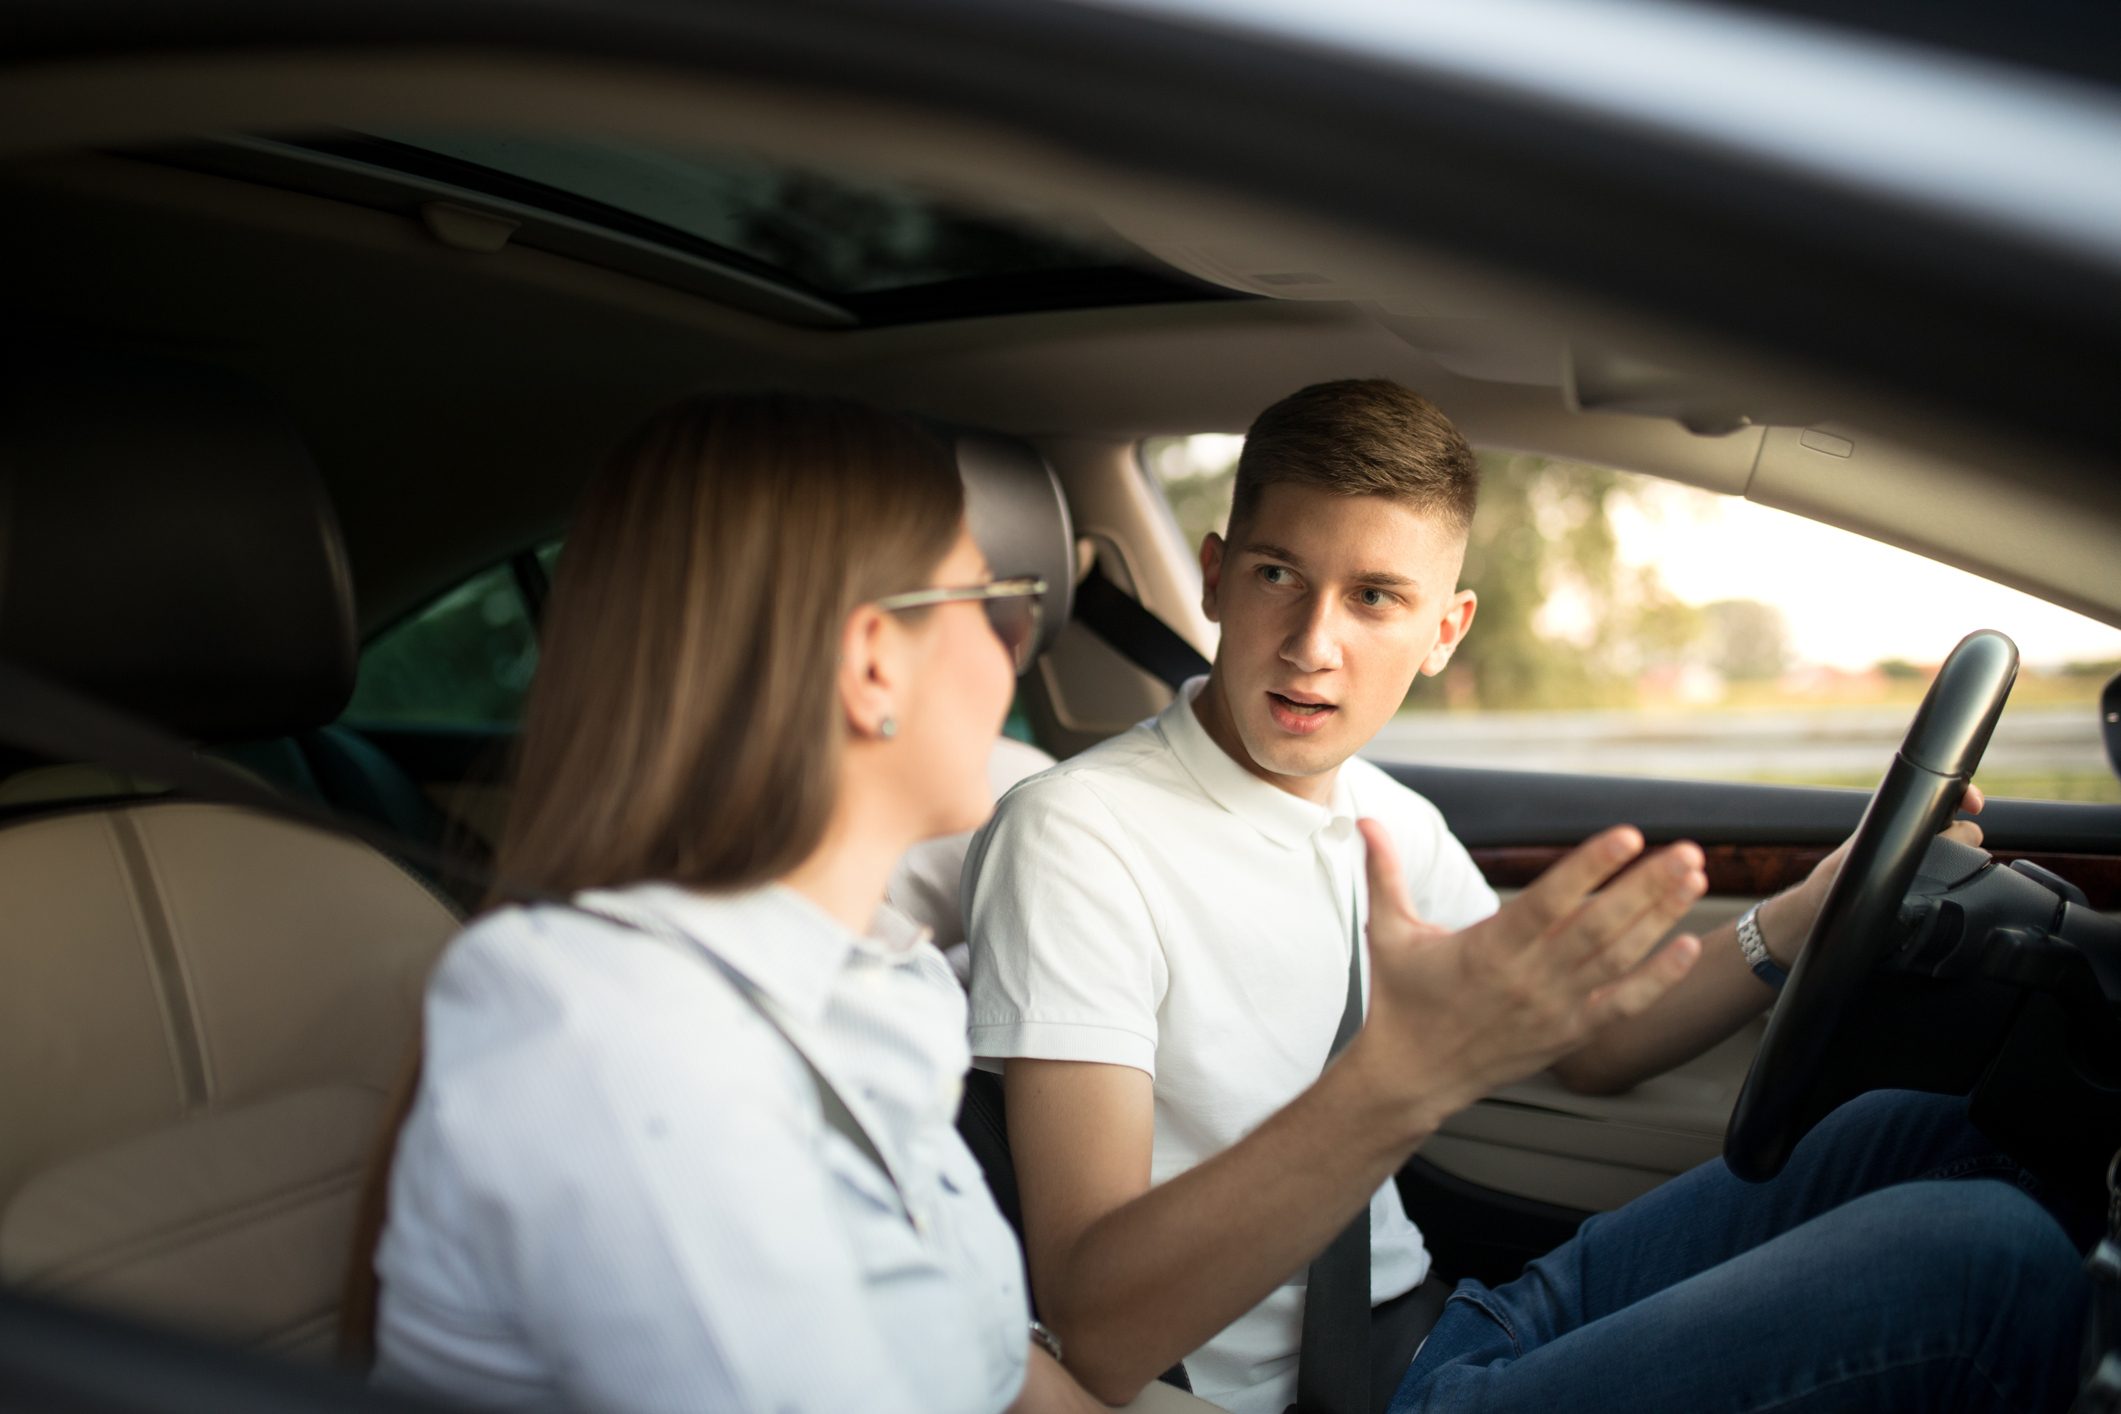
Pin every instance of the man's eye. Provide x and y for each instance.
(1274, 574)
(1376, 598)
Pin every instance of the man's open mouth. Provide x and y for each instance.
(1296, 715)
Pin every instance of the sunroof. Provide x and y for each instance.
(883, 252)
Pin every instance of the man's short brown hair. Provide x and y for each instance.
(1360, 437)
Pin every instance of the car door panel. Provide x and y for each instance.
(1514, 809)
(1538, 1139)
(1538, 1142)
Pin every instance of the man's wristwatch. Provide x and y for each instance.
(1755, 949)
(1046, 1340)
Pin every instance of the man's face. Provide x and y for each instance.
(1329, 606)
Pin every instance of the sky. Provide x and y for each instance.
(1850, 601)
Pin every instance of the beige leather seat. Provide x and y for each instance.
(204, 1009)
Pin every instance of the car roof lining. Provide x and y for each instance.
(455, 399)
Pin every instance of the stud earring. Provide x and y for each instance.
(888, 728)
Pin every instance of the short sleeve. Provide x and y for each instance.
(926, 887)
(1453, 893)
(1447, 887)
(1066, 959)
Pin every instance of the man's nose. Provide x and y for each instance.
(1313, 644)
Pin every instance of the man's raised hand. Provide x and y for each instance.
(1455, 1015)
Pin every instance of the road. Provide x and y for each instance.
(1825, 744)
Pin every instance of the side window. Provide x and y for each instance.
(467, 658)
(1018, 724)
(1630, 625)
(464, 660)
(1195, 474)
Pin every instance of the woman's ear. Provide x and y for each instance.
(870, 672)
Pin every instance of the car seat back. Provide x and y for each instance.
(205, 1008)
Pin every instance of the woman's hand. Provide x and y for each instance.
(1454, 1015)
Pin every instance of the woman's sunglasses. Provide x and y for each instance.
(1012, 607)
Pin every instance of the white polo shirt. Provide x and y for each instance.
(616, 1190)
(1151, 903)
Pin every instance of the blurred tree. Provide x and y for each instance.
(1665, 631)
(1747, 641)
(1543, 534)
(1196, 474)
(464, 659)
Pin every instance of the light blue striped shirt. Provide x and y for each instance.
(615, 1190)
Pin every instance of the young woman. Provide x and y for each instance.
(683, 1136)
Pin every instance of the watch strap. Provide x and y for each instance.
(1754, 946)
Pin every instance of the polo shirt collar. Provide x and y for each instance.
(778, 940)
(1286, 819)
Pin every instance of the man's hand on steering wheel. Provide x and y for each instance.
(1813, 1055)
(1786, 921)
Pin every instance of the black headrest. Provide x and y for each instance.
(1014, 506)
(166, 543)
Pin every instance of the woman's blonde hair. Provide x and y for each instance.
(685, 722)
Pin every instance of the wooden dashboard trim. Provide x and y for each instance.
(1755, 870)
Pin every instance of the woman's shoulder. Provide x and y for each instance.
(564, 1059)
(539, 985)
(553, 952)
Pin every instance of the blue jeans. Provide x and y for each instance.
(1899, 1262)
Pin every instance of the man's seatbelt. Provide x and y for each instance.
(1333, 1358)
(1139, 636)
(60, 722)
(1333, 1374)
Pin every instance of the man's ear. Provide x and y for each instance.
(1451, 630)
(1211, 575)
(869, 677)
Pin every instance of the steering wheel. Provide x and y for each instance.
(1789, 1088)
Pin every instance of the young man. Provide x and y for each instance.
(1162, 931)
